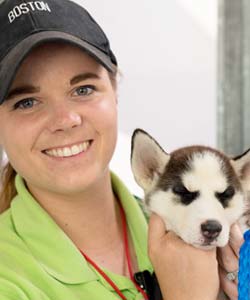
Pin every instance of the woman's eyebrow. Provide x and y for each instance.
(26, 89)
(82, 77)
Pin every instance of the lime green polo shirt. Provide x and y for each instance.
(38, 261)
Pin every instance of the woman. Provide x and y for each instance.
(69, 228)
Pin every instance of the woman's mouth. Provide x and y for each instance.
(69, 150)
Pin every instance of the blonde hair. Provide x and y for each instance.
(8, 189)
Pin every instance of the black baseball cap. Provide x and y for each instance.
(27, 24)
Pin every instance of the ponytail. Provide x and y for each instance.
(8, 190)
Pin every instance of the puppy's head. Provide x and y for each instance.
(198, 191)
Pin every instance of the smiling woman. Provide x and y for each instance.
(77, 112)
(85, 82)
(69, 228)
(59, 128)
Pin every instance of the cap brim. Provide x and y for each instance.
(12, 61)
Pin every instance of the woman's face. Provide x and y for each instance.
(58, 124)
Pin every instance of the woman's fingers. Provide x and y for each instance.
(228, 258)
(236, 238)
(229, 287)
(157, 228)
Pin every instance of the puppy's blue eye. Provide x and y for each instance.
(226, 195)
(186, 196)
(180, 189)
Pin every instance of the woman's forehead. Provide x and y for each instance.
(62, 56)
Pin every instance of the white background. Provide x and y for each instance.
(166, 50)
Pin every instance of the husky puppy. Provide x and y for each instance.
(198, 191)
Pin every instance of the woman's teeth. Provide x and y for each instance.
(68, 151)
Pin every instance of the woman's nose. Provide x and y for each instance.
(63, 118)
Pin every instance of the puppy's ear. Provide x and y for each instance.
(241, 165)
(148, 159)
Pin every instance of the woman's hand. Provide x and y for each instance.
(183, 272)
(228, 258)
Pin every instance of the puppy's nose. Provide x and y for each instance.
(211, 229)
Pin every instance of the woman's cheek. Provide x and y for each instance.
(105, 113)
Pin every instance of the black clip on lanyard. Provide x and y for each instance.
(149, 283)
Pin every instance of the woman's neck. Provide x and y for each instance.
(84, 216)
(93, 222)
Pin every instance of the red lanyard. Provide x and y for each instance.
(128, 257)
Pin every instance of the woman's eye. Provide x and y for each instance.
(85, 90)
(25, 103)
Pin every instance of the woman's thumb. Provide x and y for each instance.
(156, 229)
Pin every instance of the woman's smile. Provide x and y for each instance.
(69, 151)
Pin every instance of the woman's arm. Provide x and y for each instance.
(228, 258)
(183, 272)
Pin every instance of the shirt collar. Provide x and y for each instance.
(50, 246)
(136, 222)
(53, 249)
